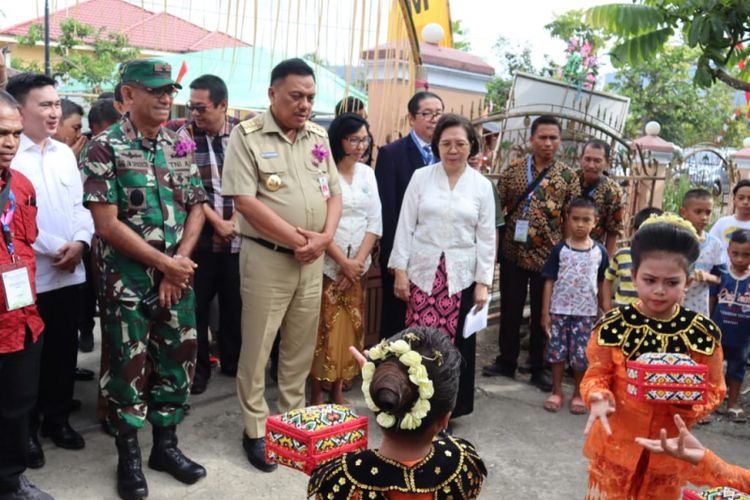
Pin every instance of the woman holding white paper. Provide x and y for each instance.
(443, 255)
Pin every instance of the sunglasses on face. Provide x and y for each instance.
(159, 92)
(198, 108)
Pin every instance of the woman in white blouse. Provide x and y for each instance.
(347, 259)
(444, 250)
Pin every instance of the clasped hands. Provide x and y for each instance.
(312, 247)
(69, 256)
(177, 272)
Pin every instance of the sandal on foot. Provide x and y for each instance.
(577, 407)
(737, 415)
(553, 403)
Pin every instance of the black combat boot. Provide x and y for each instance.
(167, 457)
(131, 483)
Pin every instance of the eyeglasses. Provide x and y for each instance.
(460, 145)
(430, 115)
(160, 92)
(198, 108)
(356, 141)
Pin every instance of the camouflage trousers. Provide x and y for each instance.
(171, 348)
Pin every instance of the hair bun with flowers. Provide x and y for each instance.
(402, 351)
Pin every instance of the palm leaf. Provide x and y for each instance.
(625, 19)
(642, 47)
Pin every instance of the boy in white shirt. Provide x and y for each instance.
(740, 219)
(697, 205)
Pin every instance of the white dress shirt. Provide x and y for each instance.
(61, 216)
(459, 223)
(360, 214)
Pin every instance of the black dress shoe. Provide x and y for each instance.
(541, 381)
(497, 369)
(199, 384)
(256, 453)
(167, 457)
(131, 483)
(84, 375)
(86, 342)
(229, 370)
(35, 452)
(63, 435)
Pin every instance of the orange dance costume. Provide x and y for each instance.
(713, 471)
(619, 468)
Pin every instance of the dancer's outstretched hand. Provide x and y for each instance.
(601, 407)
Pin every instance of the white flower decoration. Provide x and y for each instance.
(412, 359)
(417, 375)
(376, 352)
(368, 370)
(385, 419)
(399, 347)
(410, 422)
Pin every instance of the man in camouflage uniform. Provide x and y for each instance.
(145, 195)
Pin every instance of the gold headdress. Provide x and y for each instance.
(671, 218)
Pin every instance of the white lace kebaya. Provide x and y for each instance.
(459, 223)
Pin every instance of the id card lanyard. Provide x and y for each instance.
(521, 234)
(5, 220)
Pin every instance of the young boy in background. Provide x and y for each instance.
(697, 205)
(570, 301)
(618, 275)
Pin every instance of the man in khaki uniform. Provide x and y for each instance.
(285, 185)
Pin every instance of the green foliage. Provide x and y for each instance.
(714, 27)
(573, 25)
(513, 58)
(661, 89)
(460, 36)
(674, 191)
(94, 68)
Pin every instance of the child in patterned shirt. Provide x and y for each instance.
(697, 205)
(570, 301)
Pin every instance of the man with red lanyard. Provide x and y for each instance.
(20, 323)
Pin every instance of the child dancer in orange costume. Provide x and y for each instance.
(663, 250)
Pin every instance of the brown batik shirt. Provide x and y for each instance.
(544, 212)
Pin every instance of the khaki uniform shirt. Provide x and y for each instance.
(262, 162)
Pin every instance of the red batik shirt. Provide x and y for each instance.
(23, 232)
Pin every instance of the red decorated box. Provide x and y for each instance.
(667, 378)
(304, 438)
(720, 493)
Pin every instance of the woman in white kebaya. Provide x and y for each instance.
(444, 251)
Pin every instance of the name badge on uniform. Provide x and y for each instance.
(16, 286)
(268, 154)
(324, 187)
(522, 231)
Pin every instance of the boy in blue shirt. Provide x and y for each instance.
(730, 300)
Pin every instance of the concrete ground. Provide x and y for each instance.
(529, 452)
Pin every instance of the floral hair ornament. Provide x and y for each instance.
(402, 350)
(184, 147)
(319, 153)
(673, 219)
